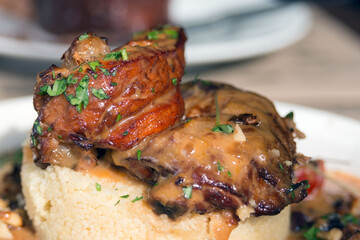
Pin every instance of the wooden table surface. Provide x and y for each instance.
(321, 71)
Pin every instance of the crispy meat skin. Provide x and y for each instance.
(223, 173)
(141, 91)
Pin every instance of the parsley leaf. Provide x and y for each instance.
(125, 196)
(98, 187)
(118, 117)
(84, 36)
(290, 115)
(153, 35)
(117, 202)
(174, 81)
(71, 80)
(81, 98)
(138, 154)
(58, 88)
(125, 133)
(137, 199)
(187, 192)
(229, 173)
(113, 84)
(124, 54)
(311, 233)
(105, 71)
(117, 55)
(225, 128)
(171, 33)
(94, 64)
(99, 93)
(219, 167)
(37, 127)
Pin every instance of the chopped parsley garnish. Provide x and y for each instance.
(81, 68)
(59, 137)
(187, 120)
(99, 93)
(113, 73)
(290, 115)
(171, 33)
(125, 196)
(49, 129)
(117, 55)
(187, 192)
(81, 98)
(311, 233)
(229, 173)
(113, 83)
(105, 71)
(138, 154)
(33, 141)
(152, 90)
(219, 167)
(94, 64)
(37, 127)
(58, 88)
(117, 202)
(118, 117)
(137, 199)
(281, 167)
(53, 74)
(71, 80)
(348, 218)
(125, 133)
(153, 35)
(84, 36)
(124, 54)
(174, 81)
(225, 128)
(98, 187)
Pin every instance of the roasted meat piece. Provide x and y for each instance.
(111, 100)
(240, 160)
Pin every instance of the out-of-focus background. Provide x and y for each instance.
(299, 52)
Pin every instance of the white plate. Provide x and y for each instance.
(223, 37)
(329, 136)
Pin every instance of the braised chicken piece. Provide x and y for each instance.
(231, 151)
(108, 99)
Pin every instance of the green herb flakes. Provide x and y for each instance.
(152, 90)
(53, 74)
(124, 54)
(117, 202)
(49, 129)
(99, 93)
(37, 127)
(105, 71)
(187, 120)
(113, 84)
(290, 115)
(174, 81)
(153, 35)
(81, 68)
(125, 133)
(71, 80)
(81, 98)
(229, 173)
(187, 192)
(59, 137)
(137, 199)
(98, 187)
(113, 73)
(94, 64)
(125, 196)
(311, 233)
(225, 128)
(118, 117)
(281, 167)
(83, 37)
(219, 167)
(58, 88)
(138, 154)
(171, 33)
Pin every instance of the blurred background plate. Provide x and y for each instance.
(218, 31)
(329, 136)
